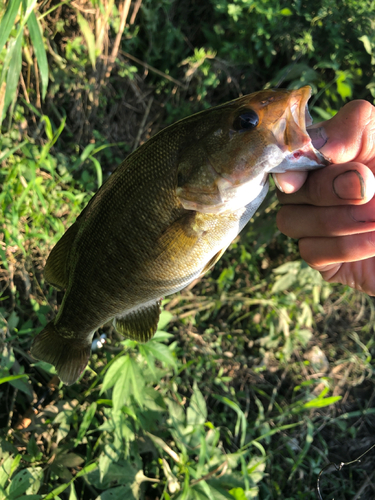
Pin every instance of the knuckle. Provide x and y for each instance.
(314, 191)
(361, 108)
(371, 239)
(305, 249)
(282, 220)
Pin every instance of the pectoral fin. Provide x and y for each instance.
(56, 272)
(140, 324)
(212, 261)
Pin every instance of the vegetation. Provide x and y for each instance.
(261, 374)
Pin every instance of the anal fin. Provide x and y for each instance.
(56, 272)
(140, 324)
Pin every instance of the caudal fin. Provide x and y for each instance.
(68, 356)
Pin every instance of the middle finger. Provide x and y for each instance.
(310, 221)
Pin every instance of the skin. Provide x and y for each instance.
(335, 219)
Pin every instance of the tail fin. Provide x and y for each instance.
(68, 355)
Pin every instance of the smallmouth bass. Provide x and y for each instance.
(165, 217)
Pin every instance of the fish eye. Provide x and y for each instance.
(246, 121)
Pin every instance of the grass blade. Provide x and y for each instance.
(7, 21)
(89, 37)
(40, 52)
(15, 47)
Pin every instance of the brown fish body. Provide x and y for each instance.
(165, 216)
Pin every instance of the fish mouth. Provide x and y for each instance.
(292, 137)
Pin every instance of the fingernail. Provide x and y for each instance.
(349, 186)
(318, 137)
(277, 183)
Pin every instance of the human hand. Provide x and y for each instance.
(332, 211)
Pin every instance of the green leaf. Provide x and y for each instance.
(11, 377)
(160, 352)
(164, 319)
(197, 411)
(13, 75)
(99, 172)
(286, 12)
(343, 84)
(7, 21)
(238, 493)
(109, 456)
(367, 44)
(322, 402)
(40, 52)
(284, 282)
(89, 37)
(73, 494)
(27, 480)
(113, 373)
(129, 383)
(87, 418)
(117, 493)
(241, 419)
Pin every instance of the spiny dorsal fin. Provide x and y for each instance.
(55, 272)
(141, 324)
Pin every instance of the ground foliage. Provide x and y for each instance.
(261, 373)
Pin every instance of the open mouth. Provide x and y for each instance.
(293, 139)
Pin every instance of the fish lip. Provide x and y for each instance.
(300, 110)
(293, 138)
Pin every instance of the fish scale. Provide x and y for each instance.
(165, 216)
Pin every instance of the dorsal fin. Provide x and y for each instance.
(56, 270)
(140, 324)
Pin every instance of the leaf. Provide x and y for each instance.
(99, 172)
(130, 382)
(113, 373)
(288, 267)
(323, 113)
(7, 21)
(89, 37)
(13, 75)
(11, 377)
(68, 460)
(73, 494)
(118, 493)
(40, 52)
(109, 456)
(197, 411)
(164, 319)
(241, 419)
(159, 442)
(27, 480)
(343, 85)
(322, 402)
(286, 12)
(284, 282)
(160, 352)
(87, 418)
(367, 44)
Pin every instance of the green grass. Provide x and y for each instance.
(229, 400)
(261, 374)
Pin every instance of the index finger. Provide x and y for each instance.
(348, 183)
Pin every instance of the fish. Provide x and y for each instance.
(166, 216)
